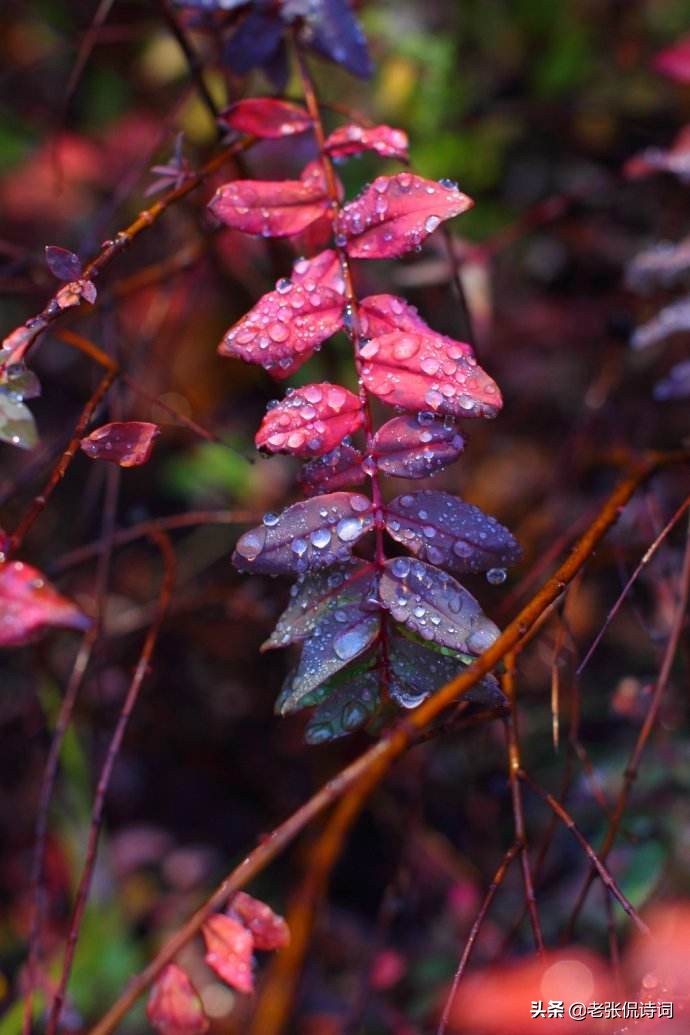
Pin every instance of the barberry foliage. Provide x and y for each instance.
(373, 629)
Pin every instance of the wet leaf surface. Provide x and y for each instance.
(126, 443)
(435, 606)
(416, 447)
(444, 530)
(266, 117)
(355, 140)
(229, 951)
(29, 604)
(310, 421)
(346, 708)
(313, 534)
(269, 208)
(287, 325)
(339, 469)
(174, 1006)
(396, 213)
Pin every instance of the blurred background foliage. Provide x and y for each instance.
(521, 101)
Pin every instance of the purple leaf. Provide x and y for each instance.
(339, 469)
(435, 606)
(444, 530)
(254, 43)
(332, 29)
(315, 594)
(346, 708)
(416, 447)
(307, 536)
(418, 671)
(341, 636)
(63, 264)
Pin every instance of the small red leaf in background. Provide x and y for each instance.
(416, 447)
(174, 1007)
(229, 948)
(339, 469)
(310, 421)
(28, 603)
(63, 264)
(273, 208)
(127, 443)
(396, 213)
(287, 325)
(381, 314)
(355, 140)
(423, 372)
(268, 929)
(674, 61)
(266, 117)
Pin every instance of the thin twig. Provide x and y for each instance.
(140, 672)
(377, 760)
(496, 882)
(514, 765)
(595, 860)
(630, 775)
(195, 66)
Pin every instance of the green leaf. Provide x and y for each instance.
(17, 425)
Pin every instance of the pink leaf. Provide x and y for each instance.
(229, 948)
(380, 314)
(354, 140)
(674, 61)
(396, 213)
(28, 603)
(266, 117)
(339, 469)
(287, 325)
(174, 1007)
(273, 208)
(424, 372)
(310, 421)
(268, 929)
(307, 536)
(416, 447)
(127, 443)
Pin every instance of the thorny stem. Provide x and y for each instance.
(353, 328)
(21, 339)
(56, 475)
(373, 764)
(498, 878)
(631, 769)
(140, 672)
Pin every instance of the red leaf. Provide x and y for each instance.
(416, 447)
(268, 929)
(381, 314)
(355, 140)
(287, 325)
(674, 61)
(310, 421)
(229, 948)
(273, 208)
(424, 372)
(28, 603)
(266, 117)
(127, 443)
(396, 213)
(339, 469)
(174, 1007)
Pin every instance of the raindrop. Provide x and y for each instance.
(496, 576)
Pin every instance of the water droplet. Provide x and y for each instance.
(348, 529)
(251, 544)
(320, 538)
(496, 576)
(430, 223)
